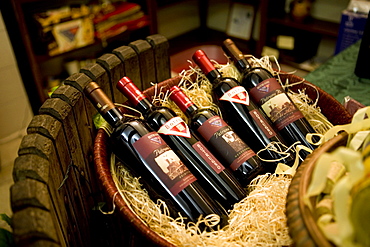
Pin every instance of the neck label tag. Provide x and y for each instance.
(237, 94)
(175, 126)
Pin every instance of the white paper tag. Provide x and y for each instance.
(175, 126)
(237, 94)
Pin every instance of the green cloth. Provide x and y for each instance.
(336, 77)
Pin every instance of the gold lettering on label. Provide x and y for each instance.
(209, 157)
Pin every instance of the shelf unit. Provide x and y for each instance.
(313, 25)
(307, 34)
(34, 67)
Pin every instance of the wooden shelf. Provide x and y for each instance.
(89, 50)
(312, 25)
(36, 66)
(307, 34)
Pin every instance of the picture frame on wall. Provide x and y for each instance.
(241, 21)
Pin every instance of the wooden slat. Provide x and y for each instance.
(43, 147)
(160, 47)
(68, 147)
(71, 157)
(62, 111)
(146, 60)
(114, 67)
(31, 224)
(131, 65)
(49, 146)
(80, 81)
(47, 125)
(29, 192)
(31, 166)
(85, 139)
(98, 74)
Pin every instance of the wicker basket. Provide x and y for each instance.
(330, 107)
(301, 220)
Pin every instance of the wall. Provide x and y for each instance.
(15, 110)
(329, 10)
(182, 17)
(177, 19)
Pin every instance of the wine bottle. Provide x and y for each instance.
(148, 155)
(271, 98)
(241, 113)
(212, 175)
(220, 138)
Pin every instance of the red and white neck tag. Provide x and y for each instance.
(237, 94)
(175, 126)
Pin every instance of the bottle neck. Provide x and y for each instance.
(242, 65)
(191, 110)
(233, 52)
(113, 116)
(103, 104)
(144, 106)
(134, 95)
(182, 101)
(205, 64)
(214, 75)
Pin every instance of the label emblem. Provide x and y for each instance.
(217, 122)
(237, 94)
(175, 126)
(156, 139)
(264, 88)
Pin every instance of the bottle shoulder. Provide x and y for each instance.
(200, 116)
(262, 72)
(204, 112)
(130, 131)
(224, 83)
(254, 76)
(161, 111)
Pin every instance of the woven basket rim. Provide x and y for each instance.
(102, 152)
(298, 213)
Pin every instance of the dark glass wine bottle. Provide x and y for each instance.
(147, 154)
(212, 175)
(271, 98)
(241, 113)
(220, 138)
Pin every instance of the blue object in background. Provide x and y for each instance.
(351, 29)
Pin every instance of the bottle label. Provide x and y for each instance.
(237, 94)
(262, 123)
(273, 100)
(163, 161)
(175, 126)
(217, 133)
(208, 157)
